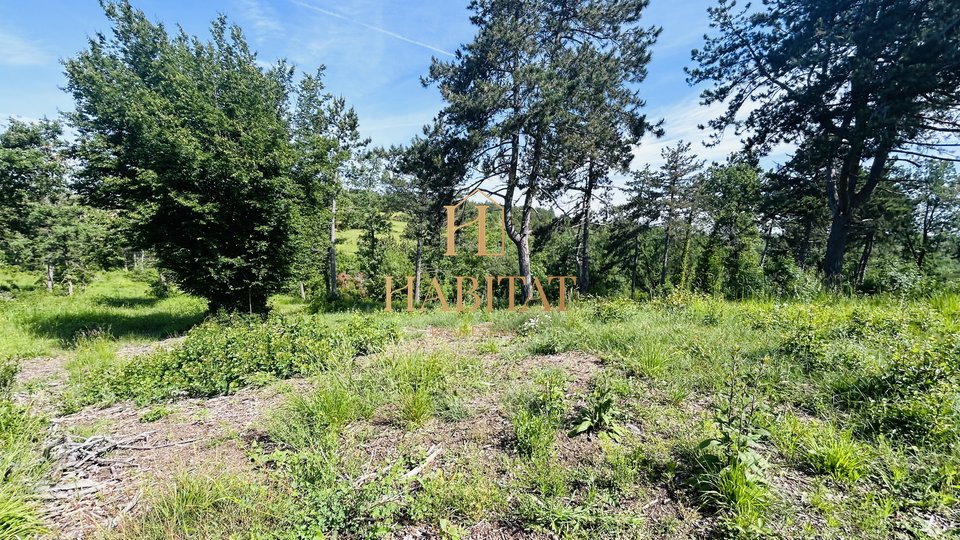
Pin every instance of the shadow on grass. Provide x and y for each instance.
(127, 301)
(68, 327)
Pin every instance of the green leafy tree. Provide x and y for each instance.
(792, 204)
(191, 140)
(863, 82)
(631, 240)
(32, 172)
(315, 175)
(934, 190)
(346, 158)
(425, 176)
(673, 191)
(730, 261)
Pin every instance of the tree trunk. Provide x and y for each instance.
(666, 256)
(633, 266)
(583, 250)
(843, 200)
(805, 244)
(766, 243)
(303, 292)
(418, 269)
(523, 254)
(49, 277)
(924, 238)
(332, 252)
(69, 287)
(685, 254)
(836, 248)
(864, 258)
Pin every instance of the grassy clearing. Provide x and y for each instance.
(116, 308)
(745, 420)
(117, 305)
(834, 418)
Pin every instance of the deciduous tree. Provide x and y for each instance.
(191, 140)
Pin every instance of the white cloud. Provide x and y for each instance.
(681, 122)
(16, 51)
(261, 16)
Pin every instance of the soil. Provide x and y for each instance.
(106, 460)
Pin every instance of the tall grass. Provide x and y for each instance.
(22, 464)
(37, 323)
(204, 507)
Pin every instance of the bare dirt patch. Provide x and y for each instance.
(98, 478)
(38, 382)
(581, 367)
(140, 349)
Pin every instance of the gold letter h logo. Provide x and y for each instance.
(481, 223)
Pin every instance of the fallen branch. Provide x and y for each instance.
(432, 456)
(154, 447)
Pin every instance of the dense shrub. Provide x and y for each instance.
(230, 351)
(614, 310)
(918, 396)
(789, 280)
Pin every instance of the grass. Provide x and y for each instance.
(427, 384)
(114, 305)
(830, 418)
(23, 464)
(348, 241)
(311, 419)
(206, 507)
(466, 494)
(538, 411)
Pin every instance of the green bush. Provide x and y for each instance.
(917, 396)
(614, 310)
(230, 351)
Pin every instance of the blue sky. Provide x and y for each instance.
(375, 53)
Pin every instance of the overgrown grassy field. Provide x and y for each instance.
(684, 417)
(349, 239)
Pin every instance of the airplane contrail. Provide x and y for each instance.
(371, 27)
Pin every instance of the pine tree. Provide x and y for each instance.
(859, 83)
(520, 90)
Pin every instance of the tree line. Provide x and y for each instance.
(239, 180)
